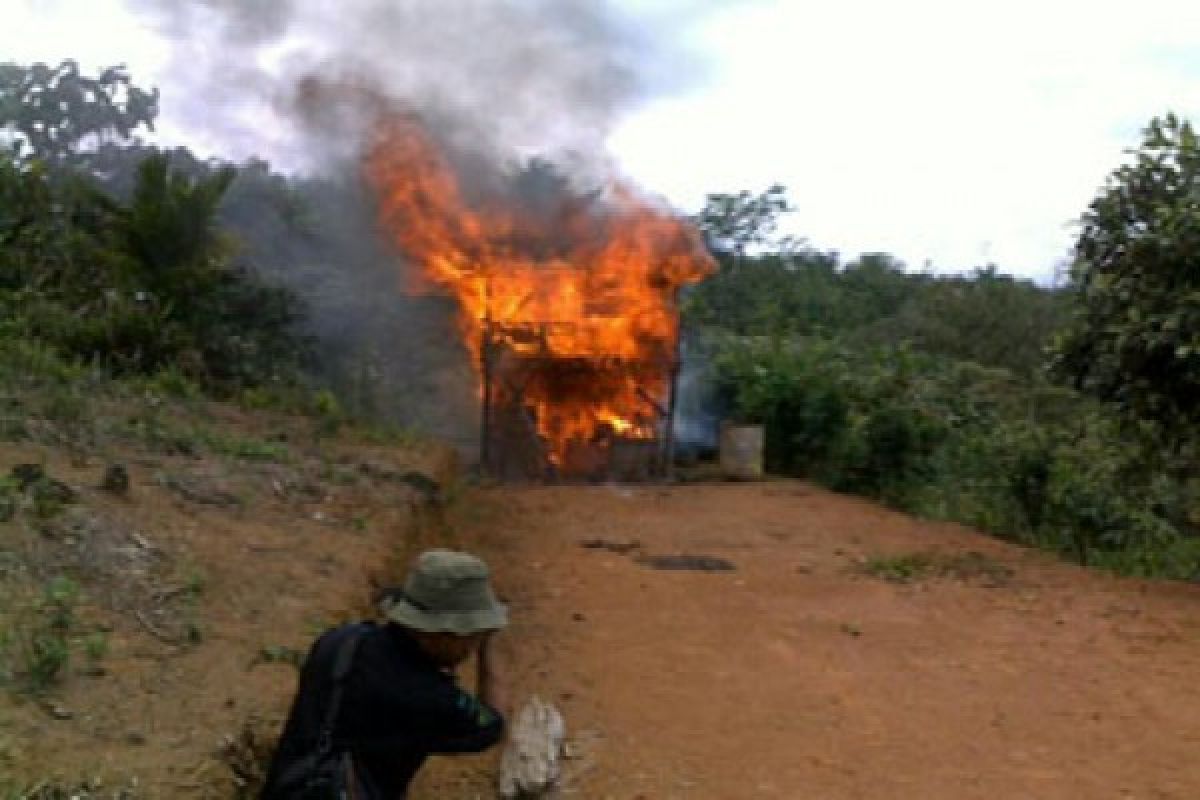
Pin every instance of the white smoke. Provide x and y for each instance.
(297, 80)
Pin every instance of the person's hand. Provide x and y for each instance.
(490, 688)
(485, 643)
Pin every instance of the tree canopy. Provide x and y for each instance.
(58, 114)
(1134, 338)
(733, 223)
(112, 251)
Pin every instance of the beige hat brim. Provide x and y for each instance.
(462, 623)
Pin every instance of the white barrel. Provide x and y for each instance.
(741, 451)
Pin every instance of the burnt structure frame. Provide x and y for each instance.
(493, 343)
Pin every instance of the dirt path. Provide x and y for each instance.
(798, 675)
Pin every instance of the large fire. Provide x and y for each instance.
(587, 296)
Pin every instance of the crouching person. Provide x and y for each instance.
(375, 700)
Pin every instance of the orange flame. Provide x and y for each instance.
(593, 292)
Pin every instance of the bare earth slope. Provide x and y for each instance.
(204, 584)
(799, 675)
(1003, 674)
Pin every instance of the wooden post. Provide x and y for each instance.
(485, 370)
(485, 403)
(668, 471)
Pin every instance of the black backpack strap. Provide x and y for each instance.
(341, 668)
(298, 772)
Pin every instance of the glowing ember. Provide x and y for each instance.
(586, 297)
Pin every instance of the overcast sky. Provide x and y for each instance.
(953, 133)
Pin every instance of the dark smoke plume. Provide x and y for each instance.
(304, 82)
(297, 81)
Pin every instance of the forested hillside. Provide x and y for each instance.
(1061, 416)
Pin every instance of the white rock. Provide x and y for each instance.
(530, 767)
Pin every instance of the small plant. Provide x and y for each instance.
(95, 646)
(194, 582)
(45, 647)
(906, 568)
(58, 603)
(912, 567)
(281, 654)
(10, 499)
(244, 448)
(193, 632)
(46, 658)
(976, 566)
(49, 497)
(6, 645)
(172, 382)
(383, 433)
(328, 412)
(159, 434)
(13, 425)
(64, 404)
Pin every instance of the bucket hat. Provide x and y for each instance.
(447, 592)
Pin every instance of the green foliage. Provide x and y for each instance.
(920, 565)
(96, 646)
(986, 317)
(169, 231)
(54, 113)
(10, 498)
(243, 448)
(329, 414)
(905, 568)
(41, 636)
(167, 434)
(735, 223)
(171, 382)
(957, 441)
(1134, 339)
(836, 415)
(928, 392)
(139, 286)
(282, 654)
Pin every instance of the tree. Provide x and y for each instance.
(170, 227)
(57, 115)
(114, 253)
(1134, 338)
(734, 223)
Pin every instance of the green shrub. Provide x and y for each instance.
(140, 287)
(905, 568)
(43, 635)
(962, 442)
(10, 498)
(96, 646)
(912, 567)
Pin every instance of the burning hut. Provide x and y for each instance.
(550, 413)
(570, 314)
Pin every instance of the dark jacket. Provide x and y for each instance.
(397, 708)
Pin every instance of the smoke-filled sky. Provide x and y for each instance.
(949, 133)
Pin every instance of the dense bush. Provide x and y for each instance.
(984, 316)
(138, 286)
(111, 252)
(1134, 333)
(955, 440)
(929, 392)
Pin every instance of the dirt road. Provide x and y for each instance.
(799, 675)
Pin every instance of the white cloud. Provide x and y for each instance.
(955, 132)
